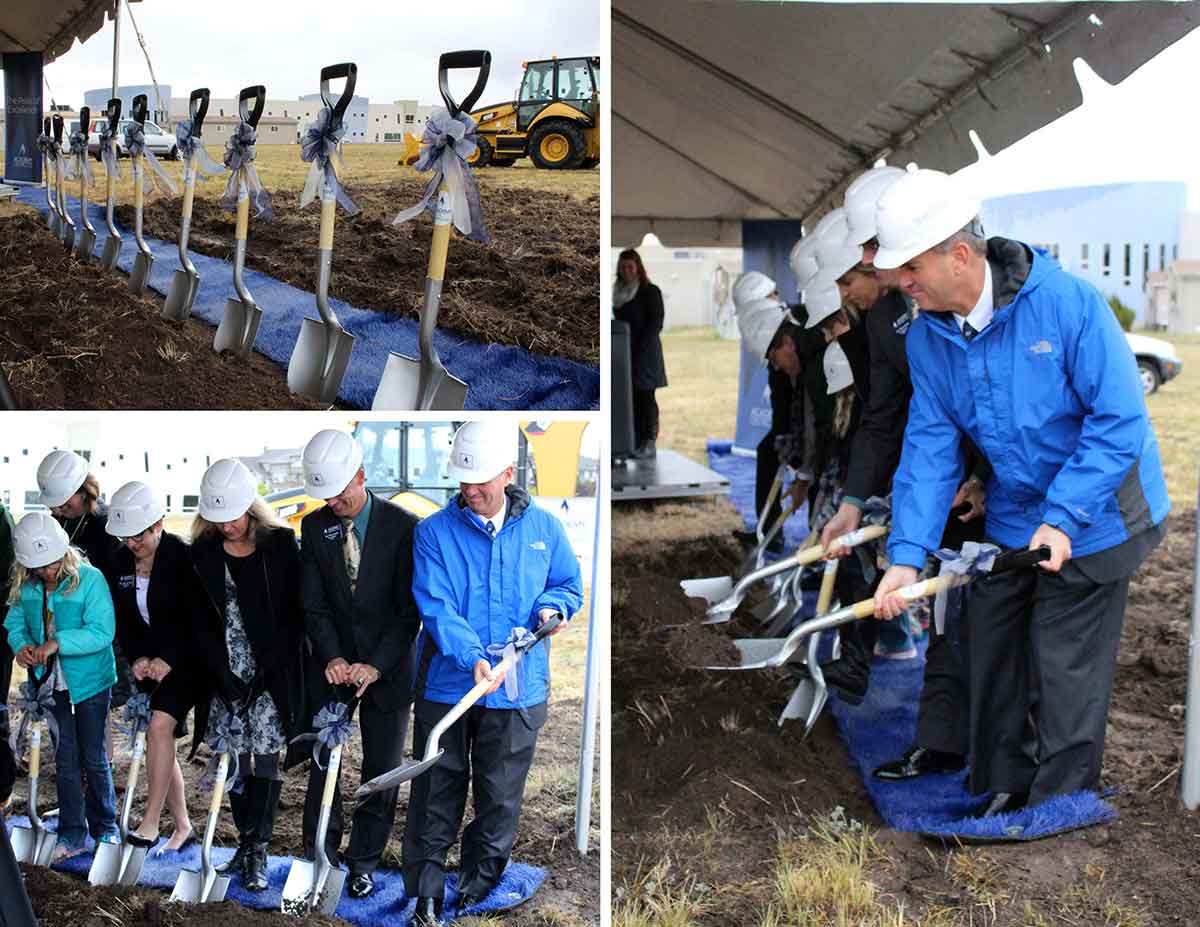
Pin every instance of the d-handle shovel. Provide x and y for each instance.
(317, 886)
(206, 884)
(66, 229)
(724, 609)
(413, 768)
(240, 321)
(143, 261)
(87, 231)
(178, 305)
(52, 217)
(425, 384)
(112, 244)
(322, 352)
(121, 864)
(34, 845)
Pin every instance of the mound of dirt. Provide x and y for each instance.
(72, 337)
(534, 286)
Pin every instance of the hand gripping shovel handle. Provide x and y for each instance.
(451, 61)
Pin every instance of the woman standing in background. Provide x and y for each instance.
(639, 303)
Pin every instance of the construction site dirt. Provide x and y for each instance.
(534, 286)
(707, 788)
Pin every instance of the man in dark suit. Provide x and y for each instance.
(356, 590)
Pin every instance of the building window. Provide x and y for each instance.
(274, 128)
(1106, 263)
(1174, 252)
(408, 120)
(1083, 256)
(1128, 263)
(285, 114)
(1162, 257)
(1054, 250)
(222, 111)
(1145, 263)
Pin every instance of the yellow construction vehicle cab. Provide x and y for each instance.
(555, 119)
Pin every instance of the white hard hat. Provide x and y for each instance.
(759, 328)
(482, 450)
(59, 476)
(755, 306)
(133, 508)
(834, 258)
(862, 197)
(331, 459)
(226, 491)
(837, 369)
(821, 302)
(753, 284)
(803, 260)
(918, 211)
(39, 540)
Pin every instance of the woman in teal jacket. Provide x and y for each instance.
(60, 625)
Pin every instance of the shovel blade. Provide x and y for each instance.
(319, 361)
(106, 864)
(111, 252)
(68, 237)
(801, 702)
(301, 895)
(331, 894)
(712, 588)
(406, 773)
(133, 858)
(24, 844)
(44, 848)
(233, 334)
(86, 245)
(138, 277)
(178, 305)
(52, 221)
(759, 652)
(399, 388)
(190, 887)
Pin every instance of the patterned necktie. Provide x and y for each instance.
(491, 529)
(352, 553)
(968, 331)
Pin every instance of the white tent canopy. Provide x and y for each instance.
(51, 26)
(724, 111)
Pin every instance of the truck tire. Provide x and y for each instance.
(557, 145)
(483, 154)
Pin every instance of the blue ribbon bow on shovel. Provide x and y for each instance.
(36, 705)
(78, 148)
(446, 144)
(227, 736)
(320, 145)
(155, 178)
(107, 155)
(137, 714)
(192, 146)
(511, 648)
(47, 146)
(240, 152)
(973, 559)
(333, 727)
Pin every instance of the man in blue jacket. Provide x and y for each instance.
(489, 563)
(1029, 363)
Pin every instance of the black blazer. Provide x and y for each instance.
(174, 592)
(98, 545)
(379, 623)
(644, 313)
(276, 638)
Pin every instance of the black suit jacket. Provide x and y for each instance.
(644, 314)
(378, 624)
(174, 592)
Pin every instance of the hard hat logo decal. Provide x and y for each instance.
(218, 501)
(317, 479)
(118, 515)
(468, 460)
(40, 546)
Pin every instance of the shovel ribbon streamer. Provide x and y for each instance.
(190, 146)
(79, 162)
(107, 155)
(321, 147)
(240, 153)
(226, 736)
(333, 728)
(514, 647)
(35, 705)
(973, 559)
(155, 178)
(446, 144)
(48, 146)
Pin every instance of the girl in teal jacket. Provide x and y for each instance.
(60, 625)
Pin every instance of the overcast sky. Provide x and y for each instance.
(229, 44)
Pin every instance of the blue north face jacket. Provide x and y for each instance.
(1049, 392)
(472, 590)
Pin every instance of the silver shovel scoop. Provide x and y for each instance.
(112, 244)
(186, 281)
(87, 231)
(143, 261)
(121, 863)
(33, 845)
(205, 884)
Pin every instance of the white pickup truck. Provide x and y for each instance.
(1157, 360)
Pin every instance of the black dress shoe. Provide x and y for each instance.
(919, 761)
(468, 901)
(256, 869)
(236, 864)
(361, 885)
(1003, 803)
(427, 912)
(848, 678)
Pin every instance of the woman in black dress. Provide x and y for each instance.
(154, 589)
(639, 303)
(249, 630)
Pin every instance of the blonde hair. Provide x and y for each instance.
(91, 489)
(843, 410)
(68, 575)
(262, 521)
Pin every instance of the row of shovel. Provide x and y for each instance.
(801, 646)
(321, 356)
(310, 886)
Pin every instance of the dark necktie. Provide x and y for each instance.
(491, 529)
(968, 331)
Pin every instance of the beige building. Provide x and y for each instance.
(272, 130)
(388, 122)
(1173, 298)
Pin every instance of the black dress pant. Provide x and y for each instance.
(383, 734)
(490, 749)
(858, 637)
(645, 416)
(1042, 651)
(254, 809)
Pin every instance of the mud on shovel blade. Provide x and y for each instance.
(424, 384)
(66, 228)
(87, 232)
(121, 864)
(185, 282)
(206, 884)
(143, 261)
(33, 845)
(242, 317)
(112, 244)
